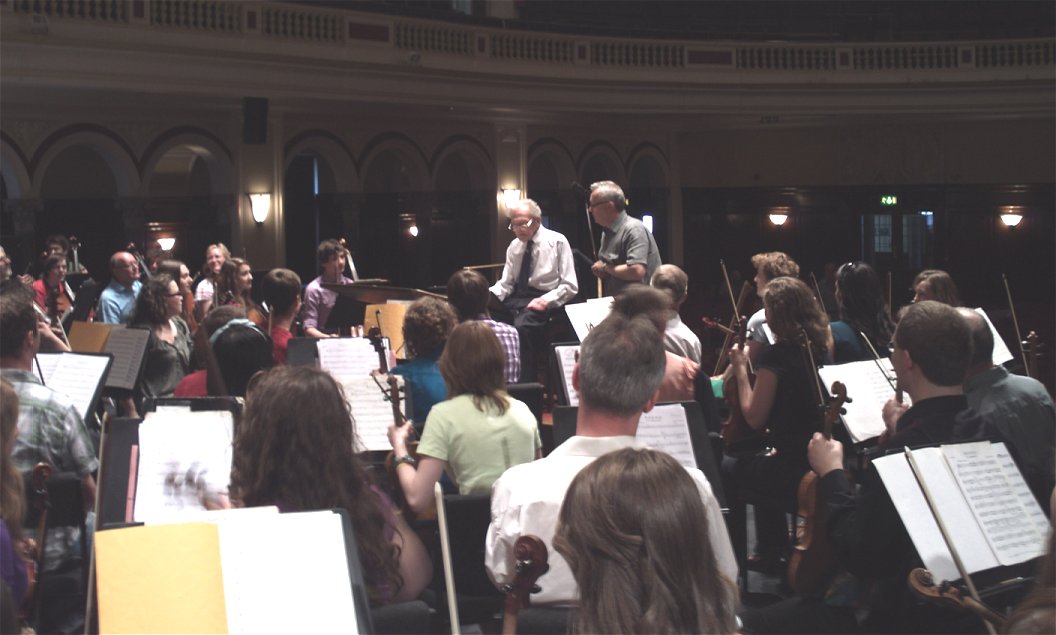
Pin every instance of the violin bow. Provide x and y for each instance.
(736, 306)
(945, 534)
(582, 191)
(1015, 323)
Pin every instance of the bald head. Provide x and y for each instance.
(982, 338)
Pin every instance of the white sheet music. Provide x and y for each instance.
(256, 603)
(987, 479)
(1001, 352)
(666, 428)
(909, 500)
(180, 453)
(371, 410)
(584, 316)
(46, 365)
(128, 346)
(869, 389)
(78, 377)
(566, 361)
(347, 356)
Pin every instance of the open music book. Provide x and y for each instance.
(566, 361)
(985, 504)
(869, 386)
(584, 316)
(347, 356)
(181, 454)
(127, 345)
(77, 376)
(371, 409)
(666, 428)
(236, 571)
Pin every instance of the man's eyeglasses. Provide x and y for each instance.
(591, 206)
(520, 225)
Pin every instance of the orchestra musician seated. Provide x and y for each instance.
(281, 289)
(863, 313)
(426, 327)
(617, 377)
(308, 463)
(783, 402)
(477, 434)
(642, 567)
(235, 286)
(931, 355)
(937, 285)
(168, 357)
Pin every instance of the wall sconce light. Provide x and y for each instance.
(778, 215)
(413, 231)
(510, 197)
(260, 202)
(1011, 215)
(166, 244)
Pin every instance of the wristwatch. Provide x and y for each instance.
(406, 458)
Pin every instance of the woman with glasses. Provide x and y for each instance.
(168, 356)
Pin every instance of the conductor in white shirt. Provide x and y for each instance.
(539, 276)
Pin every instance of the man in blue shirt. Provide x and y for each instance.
(118, 299)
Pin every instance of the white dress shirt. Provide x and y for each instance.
(527, 499)
(553, 270)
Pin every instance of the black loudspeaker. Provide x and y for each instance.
(254, 120)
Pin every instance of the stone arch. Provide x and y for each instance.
(392, 162)
(648, 167)
(342, 169)
(479, 167)
(551, 164)
(600, 161)
(14, 170)
(107, 145)
(203, 145)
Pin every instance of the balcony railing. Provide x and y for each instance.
(441, 41)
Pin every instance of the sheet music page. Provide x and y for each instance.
(46, 365)
(260, 586)
(584, 316)
(666, 428)
(371, 409)
(869, 390)
(1001, 352)
(994, 491)
(180, 453)
(78, 377)
(128, 346)
(347, 356)
(1032, 510)
(913, 508)
(566, 361)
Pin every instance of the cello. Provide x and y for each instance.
(812, 561)
(530, 556)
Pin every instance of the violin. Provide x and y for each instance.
(390, 459)
(922, 583)
(530, 555)
(738, 435)
(812, 561)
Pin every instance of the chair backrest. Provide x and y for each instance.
(302, 351)
(564, 423)
(531, 393)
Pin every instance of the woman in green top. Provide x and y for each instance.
(476, 434)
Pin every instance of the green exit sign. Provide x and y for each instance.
(889, 200)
